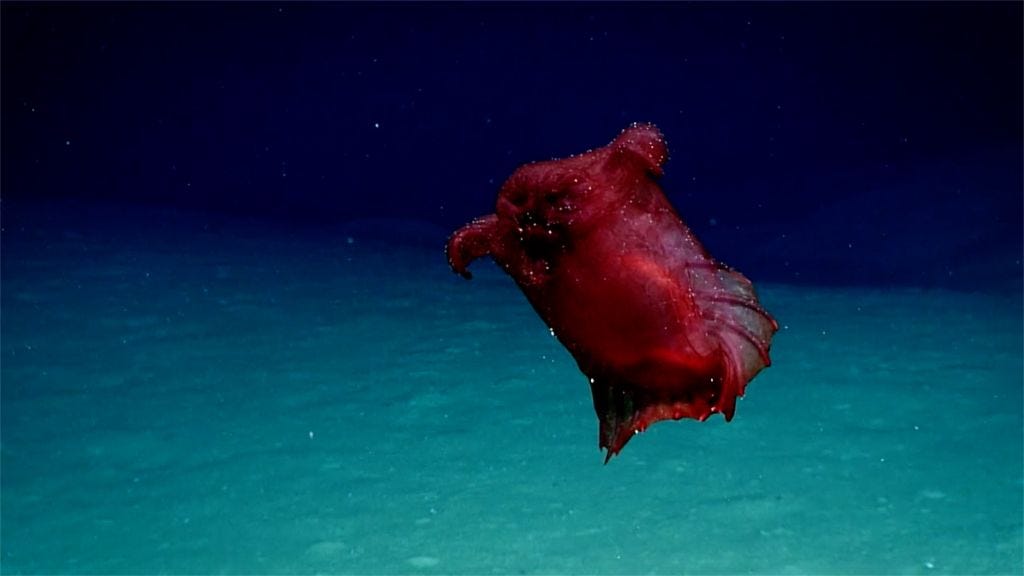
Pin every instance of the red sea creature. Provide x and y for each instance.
(662, 329)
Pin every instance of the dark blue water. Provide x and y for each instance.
(230, 342)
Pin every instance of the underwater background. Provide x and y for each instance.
(230, 341)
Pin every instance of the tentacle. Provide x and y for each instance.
(470, 242)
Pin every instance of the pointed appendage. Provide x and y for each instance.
(472, 241)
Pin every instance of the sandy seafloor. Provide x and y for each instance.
(185, 394)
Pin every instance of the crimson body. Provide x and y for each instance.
(662, 330)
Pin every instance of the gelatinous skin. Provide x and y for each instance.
(662, 330)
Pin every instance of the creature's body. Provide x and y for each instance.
(662, 330)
